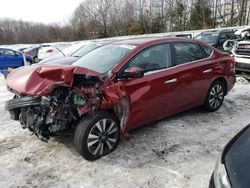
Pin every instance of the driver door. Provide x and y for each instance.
(147, 94)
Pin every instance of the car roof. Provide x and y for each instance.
(136, 41)
(149, 40)
(217, 31)
(7, 49)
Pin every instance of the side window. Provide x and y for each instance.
(223, 35)
(9, 53)
(153, 58)
(187, 52)
(1, 52)
(230, 35)
(208, 51)
(222, 38)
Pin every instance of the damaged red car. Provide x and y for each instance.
(119, 87)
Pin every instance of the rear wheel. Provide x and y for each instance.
(215, 96)
(97, 135)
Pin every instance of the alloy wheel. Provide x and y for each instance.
(216, 96)
(102, 137)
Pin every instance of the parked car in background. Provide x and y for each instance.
(216, 38)
(184, 35)
(50, 49)
(233, 167)
(71, 49)
(20, 47)
(12, 59)
(67, 52)
(119, 87)
(241, 51)
(33, 53)
(72, 57)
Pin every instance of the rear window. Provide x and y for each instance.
(208, 51)
(187, 52)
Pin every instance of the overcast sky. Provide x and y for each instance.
(45, 11)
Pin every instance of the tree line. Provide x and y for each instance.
(106, 18)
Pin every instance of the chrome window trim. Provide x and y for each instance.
(176, 66)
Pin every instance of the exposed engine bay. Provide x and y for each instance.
(58, 110)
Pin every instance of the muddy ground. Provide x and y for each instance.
(179, 151)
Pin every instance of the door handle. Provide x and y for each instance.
(171, 81)
(207, 71)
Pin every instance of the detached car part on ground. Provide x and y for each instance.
(119, 87)
(232, 168)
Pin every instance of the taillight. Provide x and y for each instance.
(28, 53)
(49, 51)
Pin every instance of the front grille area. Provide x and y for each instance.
(243, 49)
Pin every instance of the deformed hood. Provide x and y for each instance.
(40, 80)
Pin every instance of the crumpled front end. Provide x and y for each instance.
(49, 100)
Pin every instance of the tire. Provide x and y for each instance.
(97, 135)
(36, 60)
(215, 96)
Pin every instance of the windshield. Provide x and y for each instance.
(104, 58)
(72, 49)
(209, 38)
(86, 49)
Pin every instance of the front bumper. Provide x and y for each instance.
(14, 105)
(242, 64)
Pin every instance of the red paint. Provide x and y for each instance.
(149, 97)
(38, 81)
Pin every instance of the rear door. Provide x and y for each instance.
(192, 72)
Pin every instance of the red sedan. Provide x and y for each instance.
(119, 87)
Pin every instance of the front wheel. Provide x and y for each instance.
(97, 135)
(215, 96)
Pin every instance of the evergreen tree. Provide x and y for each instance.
(201, 15)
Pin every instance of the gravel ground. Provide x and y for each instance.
(179, 151)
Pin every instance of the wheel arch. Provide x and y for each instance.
(224, 81)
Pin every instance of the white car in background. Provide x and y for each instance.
(70, 50)
(240, 49)
(50, 49)
(74, 52)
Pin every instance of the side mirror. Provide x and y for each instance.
(133, 72)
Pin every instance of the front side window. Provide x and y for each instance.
(187, 52)
(230, 35)
(153, 58)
